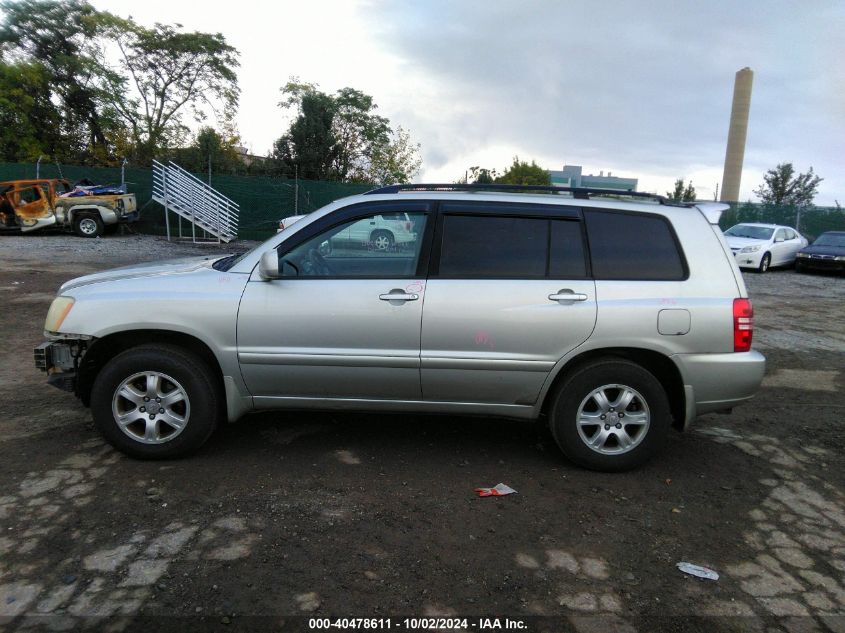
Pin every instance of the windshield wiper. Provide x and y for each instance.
(225, 263)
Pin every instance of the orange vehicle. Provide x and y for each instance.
(27, 205)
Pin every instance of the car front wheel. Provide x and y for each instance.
(611, 415)
(765, 262)
(156, 402)
(382, 240)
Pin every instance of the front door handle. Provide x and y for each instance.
(399, 296)
(565, 294)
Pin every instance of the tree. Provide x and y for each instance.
(681, 193)
(360, 134)
(523, 173)
(782, 186)
(340, 137)
(211, 146)
(170, 73)
(479, 176)
(138, 106)
(29, 121)
(309, 147)
(62, 37)
(397, 161)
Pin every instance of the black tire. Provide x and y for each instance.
(87, 225)
(800, 268)
(577, 389)
(765, 262)
(388, 240)
(190, 373)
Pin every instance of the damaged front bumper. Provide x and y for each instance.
(60, 360)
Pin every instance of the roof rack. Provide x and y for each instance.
(580, 193)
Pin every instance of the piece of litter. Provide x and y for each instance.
(499, 491)
(676, 510)
(698, 570)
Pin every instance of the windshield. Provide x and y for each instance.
(831, 239)
(753, 232)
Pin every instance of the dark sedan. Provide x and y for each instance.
(826, 253)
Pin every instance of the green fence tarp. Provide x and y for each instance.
(264, 201)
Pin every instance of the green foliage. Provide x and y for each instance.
(682, 193)
(396, 161)
(209, 145)
(782, 186)
(478, 176)
(63, 38)
(170, 74)
(523, 173)
(310, 146)
(29, 120)
(135, 109)
(340, 137)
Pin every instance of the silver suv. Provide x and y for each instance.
(614, 315)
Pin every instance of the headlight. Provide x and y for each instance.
(802, 255)
(59, 309)
(840, 258)
(751, 249)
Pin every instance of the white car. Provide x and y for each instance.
(382, 232)
(286, 222)
(761, 246)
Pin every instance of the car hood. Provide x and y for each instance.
(740, 242)
(150, 269)
(837, 251)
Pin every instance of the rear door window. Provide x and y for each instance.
(499, 247)
(633, 247)
(493, 247)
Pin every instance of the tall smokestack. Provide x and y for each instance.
(737, 132)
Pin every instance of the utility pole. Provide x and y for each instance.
(716, 195)
(296, 190)
(38, 168)
(123, 175)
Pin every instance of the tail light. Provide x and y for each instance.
(743, 325)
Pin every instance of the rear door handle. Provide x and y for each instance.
(398, 296)
(567, 295)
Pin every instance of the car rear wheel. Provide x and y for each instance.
(611, 415)
(156, 402)
(765, 262)
(88, 225)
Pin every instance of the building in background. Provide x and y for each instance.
(737, 132)
(571, 176)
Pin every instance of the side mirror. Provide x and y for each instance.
(268, 267)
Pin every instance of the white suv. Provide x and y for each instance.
(615, 316)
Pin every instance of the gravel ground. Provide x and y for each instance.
(289, 515)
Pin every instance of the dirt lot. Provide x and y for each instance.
(374, 516)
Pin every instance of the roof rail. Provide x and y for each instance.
(581, 193)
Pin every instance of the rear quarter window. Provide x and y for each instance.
(633, 247)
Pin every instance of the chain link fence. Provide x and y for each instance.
(264, 201)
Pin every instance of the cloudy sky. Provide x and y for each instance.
(641, 89)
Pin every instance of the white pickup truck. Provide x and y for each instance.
(27, 205)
